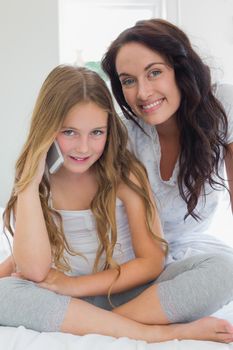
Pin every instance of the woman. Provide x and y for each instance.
(182, 133)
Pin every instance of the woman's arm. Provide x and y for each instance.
(147, 265)
(229, 170)
(31, 246)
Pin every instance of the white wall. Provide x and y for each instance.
(209, 24)
(28, 51)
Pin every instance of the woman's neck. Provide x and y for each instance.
(168, 129)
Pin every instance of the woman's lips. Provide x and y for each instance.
(149, 107)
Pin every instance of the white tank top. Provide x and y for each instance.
(80, 231)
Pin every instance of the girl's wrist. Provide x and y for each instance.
(31, 189)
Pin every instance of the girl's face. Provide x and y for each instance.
(148, 83)
(83, 136)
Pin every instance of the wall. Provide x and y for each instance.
(29, 49)
(209, 24)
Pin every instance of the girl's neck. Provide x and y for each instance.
(73, 191)
(66, 176)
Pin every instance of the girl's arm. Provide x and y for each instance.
(147, 265)
(7, 267)
(31, 246)
(229, 170)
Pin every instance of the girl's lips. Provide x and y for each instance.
(79, 159)
(150, 107)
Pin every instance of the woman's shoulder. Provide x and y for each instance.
(140, 134)
(139, 126)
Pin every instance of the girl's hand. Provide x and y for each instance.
(57, 282)
(7, 267)
(41, 168)
(39, 171)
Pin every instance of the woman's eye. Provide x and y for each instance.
(127, 82)
(97, 132)
(154, 73)
(68, 132)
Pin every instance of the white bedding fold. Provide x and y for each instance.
(24, 339)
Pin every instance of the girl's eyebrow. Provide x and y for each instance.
(72, 128)
(145, 69)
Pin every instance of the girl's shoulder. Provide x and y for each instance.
(124, 192)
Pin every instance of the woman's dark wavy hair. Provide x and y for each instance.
(201, 118)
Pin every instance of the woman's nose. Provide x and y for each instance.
(144, 90)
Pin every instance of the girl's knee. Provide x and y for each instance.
(24, 303)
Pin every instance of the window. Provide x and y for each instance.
(87, 28)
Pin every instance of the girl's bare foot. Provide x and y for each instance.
(207, 328)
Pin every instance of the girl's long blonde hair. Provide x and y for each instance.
(64, 87)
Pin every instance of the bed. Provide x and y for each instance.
(21, 338)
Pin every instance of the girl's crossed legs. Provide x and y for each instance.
(24, 303)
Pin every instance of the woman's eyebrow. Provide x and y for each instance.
(145, 69)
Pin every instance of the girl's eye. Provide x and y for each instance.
(97, 132)
(154, 73)
(68, 132)
(127, 82)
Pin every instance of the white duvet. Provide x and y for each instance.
(24, 339)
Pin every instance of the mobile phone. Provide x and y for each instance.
(54, 158)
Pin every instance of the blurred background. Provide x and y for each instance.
(37, 35)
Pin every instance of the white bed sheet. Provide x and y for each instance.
(24, 339)
(21, 338)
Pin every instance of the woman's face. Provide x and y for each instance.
(148, 83)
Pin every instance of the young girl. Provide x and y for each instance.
(93, 219)
(183, 134)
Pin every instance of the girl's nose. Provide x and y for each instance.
(82, 145)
